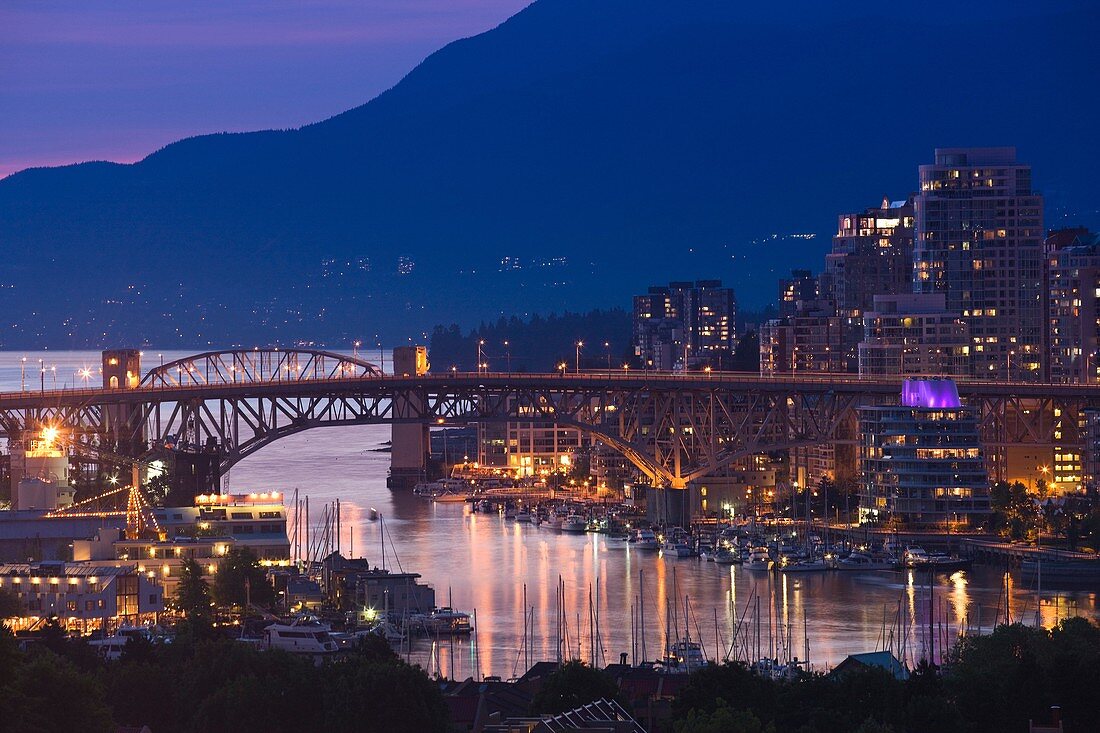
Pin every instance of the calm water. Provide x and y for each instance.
(483, 562)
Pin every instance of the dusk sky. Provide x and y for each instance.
(116, 79)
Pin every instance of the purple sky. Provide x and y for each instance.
(117, 79)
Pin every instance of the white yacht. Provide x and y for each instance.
(299, 637)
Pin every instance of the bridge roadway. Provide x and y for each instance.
(818, 382)
(674, 427)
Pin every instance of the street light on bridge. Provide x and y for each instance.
(579, 345)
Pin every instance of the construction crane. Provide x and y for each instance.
(140, 517)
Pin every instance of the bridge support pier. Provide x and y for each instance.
(669, 506)
(410, 443)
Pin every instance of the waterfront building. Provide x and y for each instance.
(1073, 275)
(979, 241)
(746, 487)
(353, 585)
(872, 255)
(203, 533)
(82, 596)
(922, 460)
(529, 448)
(684, 323)
(256, 520)
(610, 468)
(913, 335)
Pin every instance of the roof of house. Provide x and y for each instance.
(882, 660)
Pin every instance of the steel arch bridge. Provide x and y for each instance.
(258, 365)
(673, 427)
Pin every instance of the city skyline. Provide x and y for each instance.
(631, 365)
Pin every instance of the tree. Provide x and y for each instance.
(193, 592)
(49, 694)
(746, 357)
(10, 605)
(362, 696)
(572, 685)
(722, 719)
(241, 579)
(1014, 514)
(732, 681)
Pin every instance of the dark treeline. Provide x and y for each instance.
(992, 683)
(538, 344)
(216, 685)
(996, 682)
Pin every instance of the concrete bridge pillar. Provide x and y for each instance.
(669, 505)
(410, 443)
(122, 371)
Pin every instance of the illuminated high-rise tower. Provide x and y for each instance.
(979, 240)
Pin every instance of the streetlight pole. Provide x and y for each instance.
(41, 376)
(480, 343)
(23, 375)
(579, 345)
(607, 347)
(508, 357)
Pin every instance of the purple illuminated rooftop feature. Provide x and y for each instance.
(930, 393)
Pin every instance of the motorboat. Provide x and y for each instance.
(805, 566)
(443, 490)
(758, 559)
(574, 523)
(301, 636)
(943, 562)
(446, 621)
(677, 548)
(727, 556)
(915, 557)
(866, 561)
(644, 539)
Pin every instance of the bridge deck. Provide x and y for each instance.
(616, 379)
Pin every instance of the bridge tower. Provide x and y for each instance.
(121, 371)
(410, 443)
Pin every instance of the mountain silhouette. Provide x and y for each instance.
(566, 159)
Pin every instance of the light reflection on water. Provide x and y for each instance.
(483, 561)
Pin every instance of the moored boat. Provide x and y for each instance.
(574, 523)
(299, 637)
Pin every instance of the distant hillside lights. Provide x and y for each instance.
(405, 265)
